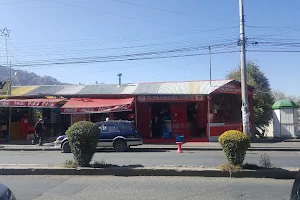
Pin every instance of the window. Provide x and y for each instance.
(125, 127)
(109, 128)
(226, 108)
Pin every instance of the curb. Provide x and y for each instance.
(157, 149)
(30, 149)
(125, 171)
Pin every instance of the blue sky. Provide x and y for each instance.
(60, 29)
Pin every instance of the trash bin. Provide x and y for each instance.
(179, 138)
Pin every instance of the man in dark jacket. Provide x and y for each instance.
(39, 131)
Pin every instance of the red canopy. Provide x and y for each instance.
(87, 105)
(43, 103)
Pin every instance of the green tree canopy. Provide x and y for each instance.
(262, 95)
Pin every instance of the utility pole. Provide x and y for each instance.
(5, 32)
(209, 54)
(244, 86)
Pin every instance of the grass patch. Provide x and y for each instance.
(229, 168)
(70, 164)
(95, 164)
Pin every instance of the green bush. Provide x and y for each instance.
(83, 139)
(234, 144)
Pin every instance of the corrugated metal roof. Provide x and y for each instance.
(147, 88)
(19, 91)
(70, 89)
(173, 88)
(103, 89)
(194, 87)
(46, 90)
(176, 88)
(207, 87)
(130, 88)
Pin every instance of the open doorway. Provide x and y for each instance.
(160, 119)
(196, 120)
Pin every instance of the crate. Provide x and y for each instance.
(179, 138)
(166, 135)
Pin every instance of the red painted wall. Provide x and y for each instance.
(143, 119)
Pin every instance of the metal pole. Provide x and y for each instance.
(208, 117)
(10, 109)
(242, 42)
(10, 81)
(209, 52)
(5, 32)
(135, 105)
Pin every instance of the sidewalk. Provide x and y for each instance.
(191, 146)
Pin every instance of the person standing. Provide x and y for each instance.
(40, 131)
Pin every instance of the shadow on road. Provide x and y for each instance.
(107, 150)
(105, 165)
(273, 140)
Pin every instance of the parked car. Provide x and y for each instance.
(6, 193)
(120, 135)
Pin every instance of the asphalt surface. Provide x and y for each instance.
(196, 158)
(147, 188)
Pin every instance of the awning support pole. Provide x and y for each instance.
(135, 111)
(208, 117)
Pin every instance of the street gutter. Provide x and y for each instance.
(154, 149)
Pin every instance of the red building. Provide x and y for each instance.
(199, 110)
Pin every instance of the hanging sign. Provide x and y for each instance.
(79, 117)
(170, 98)
(4, 87)
(229, 88)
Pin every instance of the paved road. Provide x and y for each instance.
(198, 158)
(148, 188)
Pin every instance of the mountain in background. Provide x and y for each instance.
(21, 77)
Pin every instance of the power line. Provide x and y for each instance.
(18, 2)
(120, 68)
(122, 40)
(115, 14)
(275, 51)
(166, 10)
(157, 51)
(119, 59)
(160, 48)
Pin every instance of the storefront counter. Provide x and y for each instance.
(216, 129)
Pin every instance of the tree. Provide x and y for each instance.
(278, 95)
(262, 95)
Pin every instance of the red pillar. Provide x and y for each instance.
(143, 119)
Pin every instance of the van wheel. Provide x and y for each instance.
(66, 147)
(120, 145)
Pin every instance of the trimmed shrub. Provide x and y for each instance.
(234, 144)
(83, 139)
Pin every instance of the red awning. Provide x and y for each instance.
(87, 105)
(40, 103)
